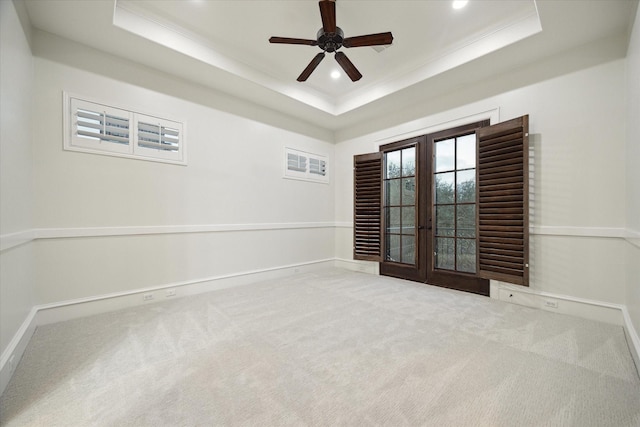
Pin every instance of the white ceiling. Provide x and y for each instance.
(224, 44)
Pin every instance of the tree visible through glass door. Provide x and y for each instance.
(455, 240)
(400, 206)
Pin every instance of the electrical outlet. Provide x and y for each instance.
(147, 297)
(549, 303)
(170, 293)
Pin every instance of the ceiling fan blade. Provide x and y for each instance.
(312, 66)
(368, 40)
(348, 67)
(328, 14)
(288, 40)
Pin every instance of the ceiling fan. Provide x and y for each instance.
(330, 38)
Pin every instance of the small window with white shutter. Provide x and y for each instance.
(296, 162)
(158, 138)
(100, 127)
(94, 127)
(317, 166)
(305, 166)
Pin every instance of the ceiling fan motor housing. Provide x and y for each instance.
(330, 42)
(330, 38)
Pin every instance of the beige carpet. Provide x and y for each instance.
(326, 349)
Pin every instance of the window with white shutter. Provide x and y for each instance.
(296, 162)
(305, 166)
(99, 127)
(317, 166)
(158, 138)
(95, 127)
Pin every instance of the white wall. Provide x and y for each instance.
(16, 262)
(240, 213)
(633, 175)
(577, 132)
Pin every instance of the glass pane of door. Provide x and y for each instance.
(454, 206)
(400, 205)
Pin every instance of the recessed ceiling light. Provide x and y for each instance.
(335, 74)
(459, 4)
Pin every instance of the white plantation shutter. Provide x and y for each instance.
(102, 126)
(305, 166)
(158, 138)
(296, 162)
(317, 166)
(98, 128)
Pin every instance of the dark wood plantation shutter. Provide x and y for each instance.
(503, 201)
(367, 195)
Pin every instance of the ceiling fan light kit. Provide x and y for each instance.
(330, 38)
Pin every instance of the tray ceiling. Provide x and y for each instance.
(224, 44)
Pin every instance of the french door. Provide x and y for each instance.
(403, 236)
(449, 208)
(429, 213)
(452, 236)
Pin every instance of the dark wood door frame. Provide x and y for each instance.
(423, 271)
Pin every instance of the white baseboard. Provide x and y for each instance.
(82, 307)
(353, 265)
(12, 355)
(616, 314)
(73, 309)
(563, 304)
(633, 341)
